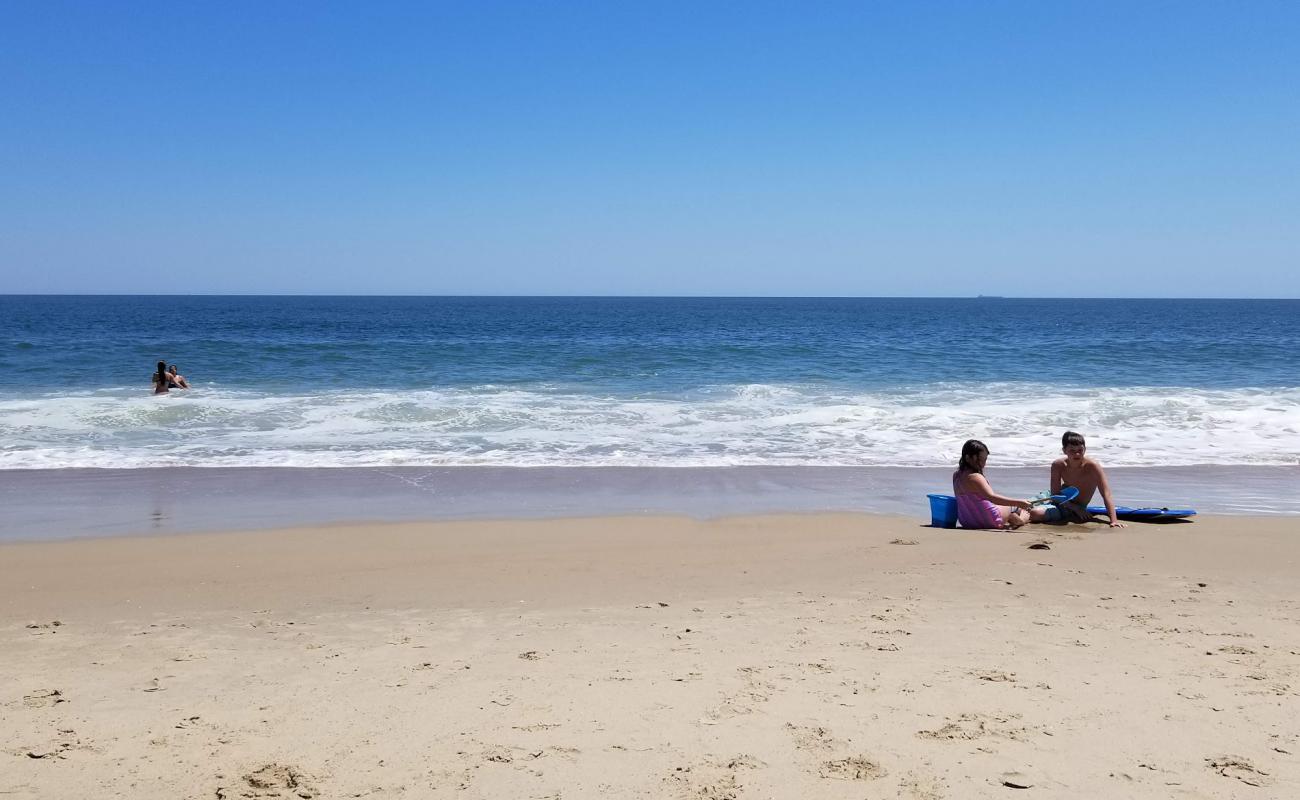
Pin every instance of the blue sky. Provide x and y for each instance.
(702, 148)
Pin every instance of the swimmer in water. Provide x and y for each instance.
(176, 381)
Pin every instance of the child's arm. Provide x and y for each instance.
(1103, 486)
(1058, 472)
(982, 488)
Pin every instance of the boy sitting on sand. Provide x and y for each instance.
(1086, 475)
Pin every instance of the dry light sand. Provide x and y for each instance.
(822, 656)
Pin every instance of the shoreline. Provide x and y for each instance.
(72, 569)
(50, 504)
(827, 655)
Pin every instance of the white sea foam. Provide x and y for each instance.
(710, 426)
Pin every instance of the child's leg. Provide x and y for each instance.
(1012, 518)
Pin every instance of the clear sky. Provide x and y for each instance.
(695, 148)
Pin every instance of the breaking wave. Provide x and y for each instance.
(747, 424)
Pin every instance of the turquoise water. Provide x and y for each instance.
(411, 381)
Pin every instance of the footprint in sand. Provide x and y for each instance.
(756, 690)
(852, 768)
(459, 778)
(814, 738)
(922, 787)
(967, 727)
(1230, 766)
(271, 780)
(567, 753)
(712, 779)
(818, 742)
(498, 755)
(66, 740)
(43, 698)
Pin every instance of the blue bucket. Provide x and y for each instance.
(943, 511)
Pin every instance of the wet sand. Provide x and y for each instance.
(70, 503)
(829, 656)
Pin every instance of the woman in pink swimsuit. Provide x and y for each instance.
(978, 506)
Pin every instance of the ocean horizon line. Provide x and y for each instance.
(1036, 298)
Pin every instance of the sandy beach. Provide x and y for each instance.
(521, 401)
(830, 656)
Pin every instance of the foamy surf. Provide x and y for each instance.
(720, 425)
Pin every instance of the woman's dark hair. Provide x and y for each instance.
(161, 377)
(970, 451)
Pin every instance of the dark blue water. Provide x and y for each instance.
(363, 381)
(645, 344)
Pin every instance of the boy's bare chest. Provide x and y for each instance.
(1073, 475)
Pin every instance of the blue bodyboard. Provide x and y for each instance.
(1150, 514)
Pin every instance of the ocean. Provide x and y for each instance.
(400, 384)
(503, 381)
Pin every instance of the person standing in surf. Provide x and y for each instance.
(978, 506)
(161, 379)
(1077, 470)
